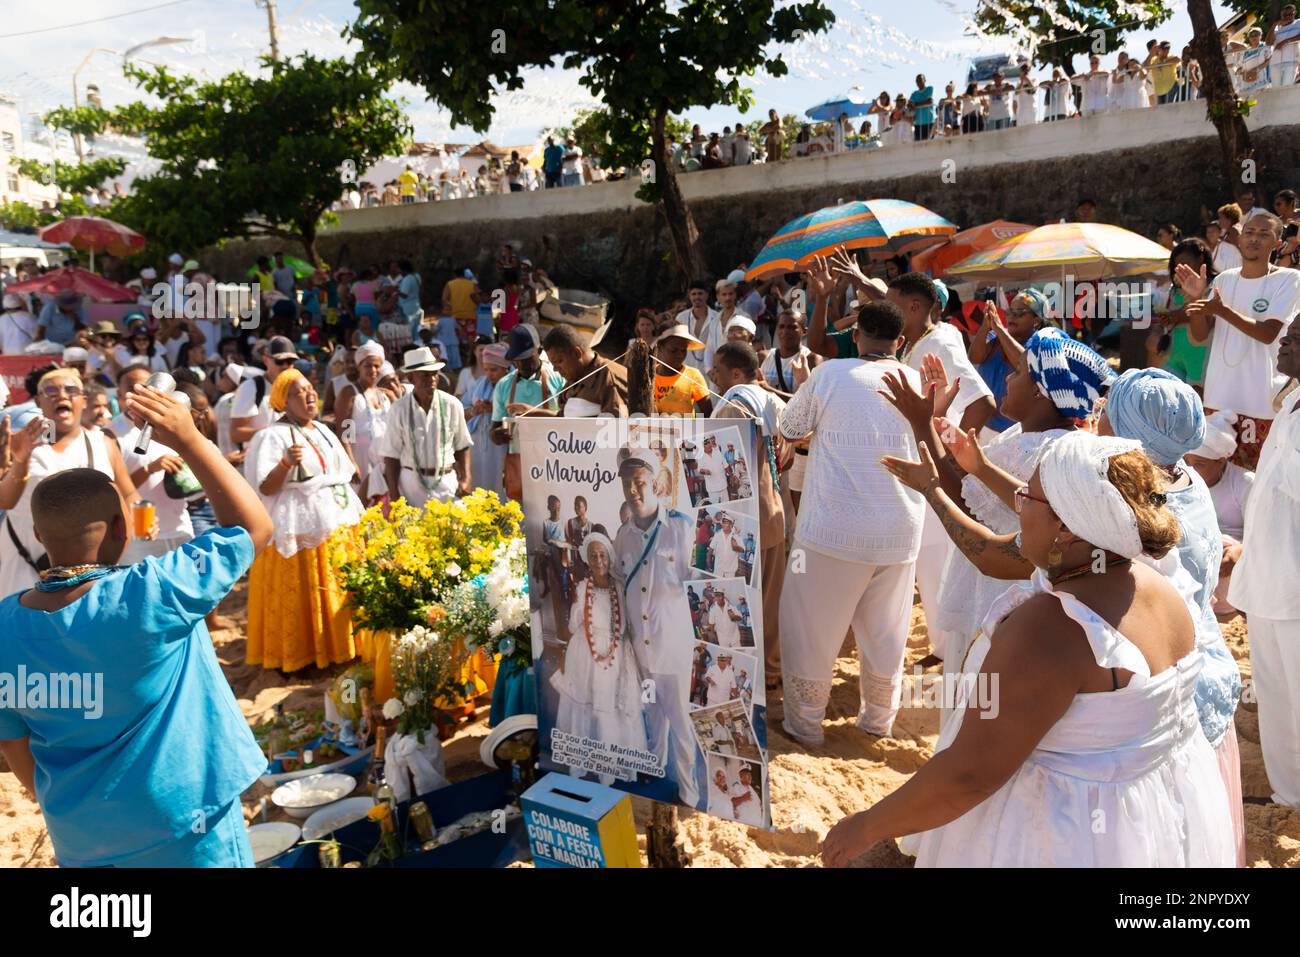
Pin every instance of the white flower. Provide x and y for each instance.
(452, 570)
(393, 708)
(412, 698)
(496, 628)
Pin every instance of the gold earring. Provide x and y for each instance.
(1054, 555)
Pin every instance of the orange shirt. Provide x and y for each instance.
(677, 394)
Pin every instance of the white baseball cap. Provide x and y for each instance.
(741, 322)
(176, 259)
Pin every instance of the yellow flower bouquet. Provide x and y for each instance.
(410, 558)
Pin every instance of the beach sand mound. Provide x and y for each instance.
(811, 789)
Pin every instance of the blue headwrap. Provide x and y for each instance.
(1066, 371)
(1160, 411)
(1035, 300)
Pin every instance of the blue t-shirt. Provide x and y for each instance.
(553, 158)
(408, 295)
(994, 371)
(924, 116)
(59, 326)
(163, 746)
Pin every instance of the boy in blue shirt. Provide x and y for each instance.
(113, 708)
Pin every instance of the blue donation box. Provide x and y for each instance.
(576, 823)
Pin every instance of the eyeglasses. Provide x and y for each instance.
(1019, 311)
(1022, 493)
(54, 391)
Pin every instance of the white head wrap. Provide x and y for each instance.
(386, 370)
(1220, 436)
(1074, 476)
(599, 539)
(371, 348)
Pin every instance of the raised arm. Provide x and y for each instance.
(994, 555)
(821, 286)
(233, 500)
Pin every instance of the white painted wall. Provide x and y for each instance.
(1112, 131)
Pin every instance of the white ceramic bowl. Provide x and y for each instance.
(302, 797)
(336, 816)
(272, 839)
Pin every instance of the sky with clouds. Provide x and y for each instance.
(875, 45)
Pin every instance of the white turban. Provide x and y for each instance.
(1074, 473)
(386, 370)
(371, 348)
(595, 538)
(1220, 436)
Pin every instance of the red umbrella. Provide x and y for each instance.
(82, 281)
(95, 234)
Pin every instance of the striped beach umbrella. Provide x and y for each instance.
(937, 259)
(1086, 251)
(883, 227)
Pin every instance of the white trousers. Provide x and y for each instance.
(672, 736)
(412, 489)
(819, 602)
(1275, 671)
(935, 548)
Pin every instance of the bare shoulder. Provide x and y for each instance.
(1039, 630)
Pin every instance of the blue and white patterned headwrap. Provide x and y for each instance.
(1066, 371)
(1158, 409)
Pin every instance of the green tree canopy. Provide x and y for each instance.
(645, 61)
(247, 156)
(1063, 29)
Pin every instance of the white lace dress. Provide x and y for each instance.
(1124, 779)
(305, 514)
(369, 425)
(967, 593)
(600, 699)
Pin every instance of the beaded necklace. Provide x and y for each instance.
(70, 576)
(615, 617)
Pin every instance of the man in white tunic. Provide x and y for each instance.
(726, 548)
(724, 741)
(426, 447)
(653, 559)
(713, 467)
(857, 537)
(725, 622)
(746, 802)
(720, 795)
(1264, 585)
(721, 681)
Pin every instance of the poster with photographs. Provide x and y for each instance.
(647, 607)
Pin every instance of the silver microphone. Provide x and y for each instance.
(163, 383)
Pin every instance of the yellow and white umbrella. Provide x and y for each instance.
(1085, 251)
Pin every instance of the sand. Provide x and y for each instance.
(810, 790)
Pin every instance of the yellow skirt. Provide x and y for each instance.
(296, 613)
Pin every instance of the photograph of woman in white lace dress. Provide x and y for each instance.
(598, 681)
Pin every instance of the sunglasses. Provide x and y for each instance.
(54, 391)
(1022, 494)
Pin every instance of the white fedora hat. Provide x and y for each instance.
(421, 360)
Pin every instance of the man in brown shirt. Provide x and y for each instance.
(594, 385)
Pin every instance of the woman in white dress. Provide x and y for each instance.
(297, 614)
(362, 419)
(1094, 756)
(62, 400)
(599, 684)
(1043, 414)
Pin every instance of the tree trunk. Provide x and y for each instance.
(1220, 97)
(307, 235)
(661, 846)
(681, 223)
